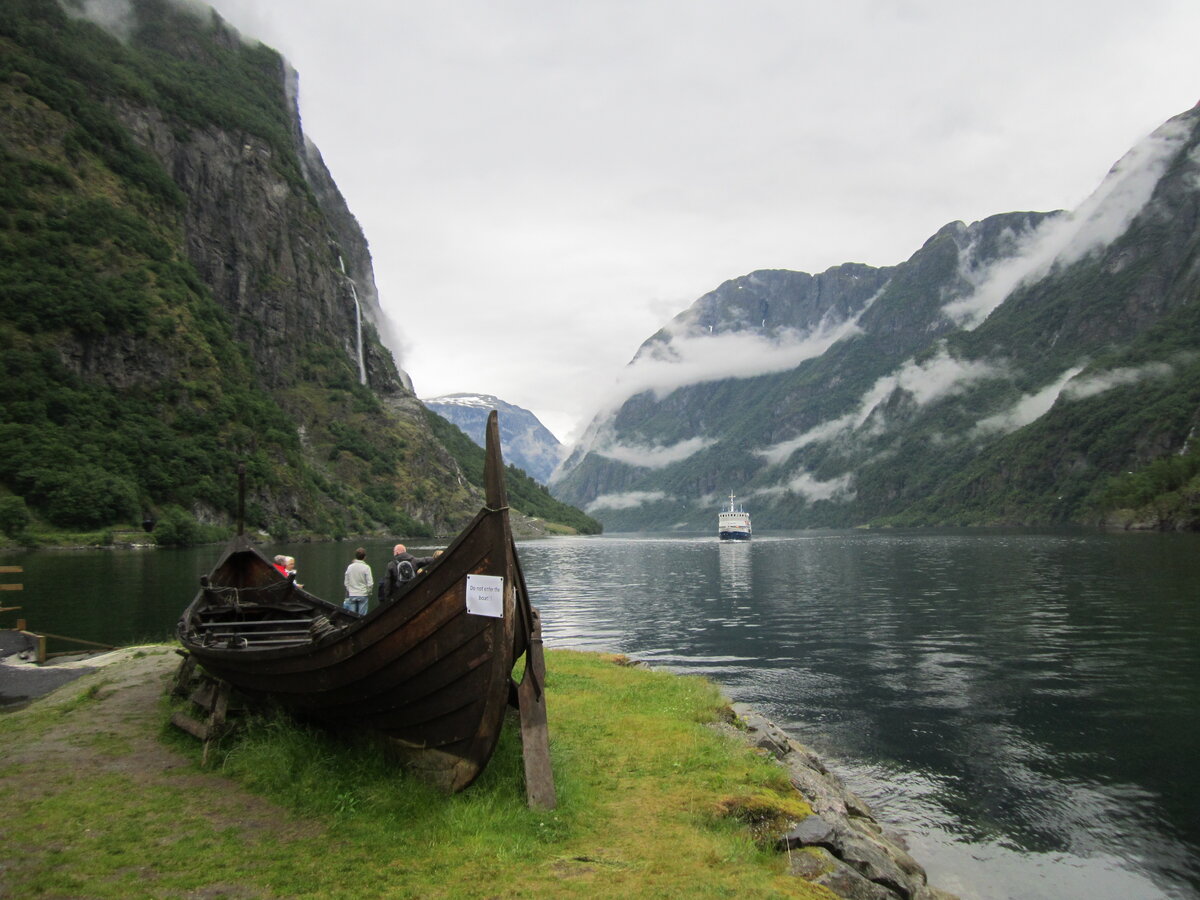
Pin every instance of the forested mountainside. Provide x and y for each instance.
(182, 288)
(1031, 368)
(527, 443)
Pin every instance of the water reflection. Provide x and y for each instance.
(736, 569)
(1025, 704)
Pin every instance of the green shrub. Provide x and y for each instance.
(14, 516)
(175, 528)
(84, 497)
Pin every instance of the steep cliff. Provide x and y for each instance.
(1003, 374)
(182, 287)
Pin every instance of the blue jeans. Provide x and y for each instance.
(357, 605)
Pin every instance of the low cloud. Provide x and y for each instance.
(826, 431)
(114, 16)
(812, 489)
(1100, 382)
(1063, 240)
(942, 375)
(118, 17)
(1028, 409)
(657, 456)
(696, 357)
(627, 500)
(1069, 387)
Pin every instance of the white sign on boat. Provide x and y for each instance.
(485, 595)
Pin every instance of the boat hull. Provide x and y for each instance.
(734, 535)
(420, 668)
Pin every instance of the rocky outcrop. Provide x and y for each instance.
(257, 243)
(842, 846)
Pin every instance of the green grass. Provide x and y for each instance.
(651, 803)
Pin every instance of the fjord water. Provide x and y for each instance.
(1021, 707)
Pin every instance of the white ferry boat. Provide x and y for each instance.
(733, 522)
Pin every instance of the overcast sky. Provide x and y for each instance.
(544, 184)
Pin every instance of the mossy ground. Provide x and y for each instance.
(104, 799)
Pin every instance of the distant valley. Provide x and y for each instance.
(526, 442)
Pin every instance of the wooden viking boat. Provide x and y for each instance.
(430, 667)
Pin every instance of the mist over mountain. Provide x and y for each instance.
(526, 442)
(1006, 372)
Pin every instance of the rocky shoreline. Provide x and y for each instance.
(842, 846)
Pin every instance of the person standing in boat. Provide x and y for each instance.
(358, 583)
(403, 567)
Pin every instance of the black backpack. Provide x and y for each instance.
(399, 571)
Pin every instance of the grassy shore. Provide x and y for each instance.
(104, 799)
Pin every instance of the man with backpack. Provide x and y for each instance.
(403, 568)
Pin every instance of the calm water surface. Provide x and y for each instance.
(1023, 707)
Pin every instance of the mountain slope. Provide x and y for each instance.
(526, 442)
(182, 288)
(1003, 373)
(524, 494)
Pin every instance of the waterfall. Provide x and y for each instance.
(358, 325)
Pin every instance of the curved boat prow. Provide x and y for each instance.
(430, 666)
(495, 490)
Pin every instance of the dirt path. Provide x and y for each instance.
(116, 731)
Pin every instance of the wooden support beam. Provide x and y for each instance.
(184, 722)
(216, 721)
(210, 700)
(184, 675)
(535, 734)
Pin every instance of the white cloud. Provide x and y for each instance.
(1028, 409)
(1064, 239)
(826, 431)
(942, 375)
(695, 357)
(657, 456)
(1033, 406)
(627, 500)
(114, 16)
(812, 489)
(1100, 382)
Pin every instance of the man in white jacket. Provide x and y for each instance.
(358, 583)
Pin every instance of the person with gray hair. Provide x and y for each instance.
(403, 568)
(358, 583)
